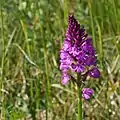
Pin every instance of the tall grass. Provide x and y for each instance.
(31, 35)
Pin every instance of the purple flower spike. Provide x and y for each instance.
(77, 53)
(87, 93)
(94, 73)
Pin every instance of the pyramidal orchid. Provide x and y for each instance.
(77, 55)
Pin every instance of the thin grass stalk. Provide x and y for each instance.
(107, 101)
(92, 22)
(2, 66)
(115, 15)
(46, 73)
(3, 49)
(79, 103)
(65, 10)
(100, 43)
(79, 90)
(46, 77)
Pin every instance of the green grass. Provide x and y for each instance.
(31, 35)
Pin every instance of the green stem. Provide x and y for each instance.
(2, 62)
(79, 88)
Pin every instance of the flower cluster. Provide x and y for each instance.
(87, 93)
(77, 54)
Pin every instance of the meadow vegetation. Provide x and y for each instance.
(31, 35)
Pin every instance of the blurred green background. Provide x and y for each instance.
(31, 35)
